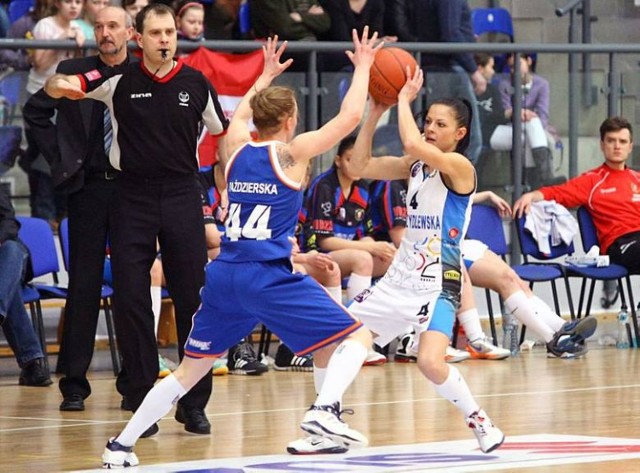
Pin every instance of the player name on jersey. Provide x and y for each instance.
(428, 222)
(253, 187)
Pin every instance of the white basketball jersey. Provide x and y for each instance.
(437, 219)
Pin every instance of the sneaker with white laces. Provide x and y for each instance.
(242, 359)
(404, 353)
(489, 436)
(374, 358)
(116, 455)
(286, 360)
(483, 349)
(325, 421)
(569, 341)
(314, 445)
(453, 355)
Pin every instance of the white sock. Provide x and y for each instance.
(552, 319)
(318, 377)
(456, 391)
(470, 321)
(344, 365)
(526, 312)
(156, 304)
(155, 406)
(357, 283)
(335, 292)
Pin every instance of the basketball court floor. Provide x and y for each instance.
(558, 415)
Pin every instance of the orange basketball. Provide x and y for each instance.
(388, 74)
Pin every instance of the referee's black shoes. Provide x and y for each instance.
(194, 420)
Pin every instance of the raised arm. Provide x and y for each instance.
(311, 144)
(63, 86)
(383, 167)
(239, 132)
(454, 165)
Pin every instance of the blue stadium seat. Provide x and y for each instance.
(492, 20)
(244, 18)
(19, 8)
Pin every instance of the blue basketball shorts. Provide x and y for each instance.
(238, 296)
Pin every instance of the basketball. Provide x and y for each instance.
(388, 74)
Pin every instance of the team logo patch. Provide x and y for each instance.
(326, 208)
(184, 98)
(359, 215)
(93, 75)
(454, 232)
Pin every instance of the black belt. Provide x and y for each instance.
(108, 175)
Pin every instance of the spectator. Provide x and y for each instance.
(22, 28)
(303, 20)
(190, 20)
(80, 165)
(347, 15)
(62, 24)
(88, 20)
(254, 267)
(447, 75)
(610, 192)
(535, 120)
(490, 110)
(157, 198)
(221, 20)
(14, 319)
(133, 7)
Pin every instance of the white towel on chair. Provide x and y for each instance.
(547, 218)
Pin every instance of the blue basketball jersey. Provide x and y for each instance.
(263, 205)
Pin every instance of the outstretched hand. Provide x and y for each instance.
(413, 85)
(272, 54)
(365, 48)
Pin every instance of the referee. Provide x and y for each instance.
(157, 108)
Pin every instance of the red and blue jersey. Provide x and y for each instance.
(332, 213)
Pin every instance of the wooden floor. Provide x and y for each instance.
(530, 394)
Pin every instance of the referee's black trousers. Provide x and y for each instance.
(169, 209)
(90, 219)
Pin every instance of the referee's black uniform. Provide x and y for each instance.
(156, 124)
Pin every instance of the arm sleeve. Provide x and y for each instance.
(573, 193)
(38, 115)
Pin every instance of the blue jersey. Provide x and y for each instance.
(263, 206)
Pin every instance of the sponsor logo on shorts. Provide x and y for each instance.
(451, 275)
(199, 344)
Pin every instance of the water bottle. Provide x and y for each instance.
(623, 326)
(510, 333)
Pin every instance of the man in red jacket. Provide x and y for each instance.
(611, 193)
